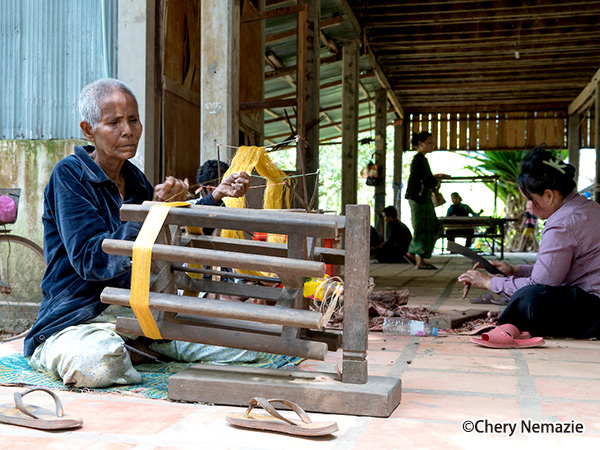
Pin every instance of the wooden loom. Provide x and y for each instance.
(287, 328)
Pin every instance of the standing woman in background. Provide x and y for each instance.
(421, 184)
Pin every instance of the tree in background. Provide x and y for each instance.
(507, 165)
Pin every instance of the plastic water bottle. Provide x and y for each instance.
(403, 327)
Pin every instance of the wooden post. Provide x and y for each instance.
(356, 304)
(312, 84)
(139, 67)
(301, 103)
(380, 142)
(219, 77)
(574, 140)
(398, 153)
(349, 123)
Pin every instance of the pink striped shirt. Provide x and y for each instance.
(569, 253)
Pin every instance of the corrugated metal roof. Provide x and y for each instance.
(50, 50)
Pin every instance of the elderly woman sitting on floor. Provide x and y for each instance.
(74, 337)
(560, 294)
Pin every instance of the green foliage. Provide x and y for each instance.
(502, 163)
(507, 165)
(330, 165)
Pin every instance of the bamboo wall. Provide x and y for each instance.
(501, 131)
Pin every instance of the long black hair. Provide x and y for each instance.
(541, 171)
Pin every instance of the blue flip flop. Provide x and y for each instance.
(485, 299)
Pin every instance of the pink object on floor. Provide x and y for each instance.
(507, 336)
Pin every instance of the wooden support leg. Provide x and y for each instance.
(296, 249)
(356, 305)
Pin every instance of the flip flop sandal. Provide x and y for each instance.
(277, 422)
(490, 326)
(37, 417)
(427, 267)
(480, 329)
(502, 300)
(485, 299)
(507, 336)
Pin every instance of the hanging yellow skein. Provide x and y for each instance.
(277, 194)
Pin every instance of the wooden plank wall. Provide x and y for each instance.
(496, 131)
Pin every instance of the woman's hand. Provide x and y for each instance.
(172, 190)
(476, 278)
(505, 268)
(235, 185)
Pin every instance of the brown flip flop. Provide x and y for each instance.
(276, 422)
(37, 417)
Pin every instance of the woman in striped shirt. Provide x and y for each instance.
(559, 295)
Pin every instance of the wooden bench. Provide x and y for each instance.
(468, 227)
(288, 327)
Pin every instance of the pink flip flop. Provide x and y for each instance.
(507, 336)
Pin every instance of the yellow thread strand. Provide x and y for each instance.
(140, 267)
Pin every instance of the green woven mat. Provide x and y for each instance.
(15, 370)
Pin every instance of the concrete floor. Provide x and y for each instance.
(448, 384)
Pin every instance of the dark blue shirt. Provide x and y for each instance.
(81, 209)
(460, 210)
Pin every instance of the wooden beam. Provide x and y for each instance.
(230, 338)
(380, 156)
(262, 104)
(270, 14)
(375, 65)
(336, 124)
(489, 87)
(219, 77)
(211, 308)
(331, 121)
(586, 97)
(356, 305)
(312, 91)
(404, 19)
(283, 71)
(369, 74)
(335, 107)
(276, 37)
(181, 91)
(399, 139)
(416, 44)
(277, 65)
(574, 140)
(349, 163)
(329, 43)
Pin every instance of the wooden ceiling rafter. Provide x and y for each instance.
(400, 16)
(484, 42)
(458, 56)
(291, 33)
(391, 95)
(323, 86)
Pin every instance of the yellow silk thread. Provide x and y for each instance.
(276, 196)
(140, 268)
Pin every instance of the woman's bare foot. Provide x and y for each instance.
(493, 317)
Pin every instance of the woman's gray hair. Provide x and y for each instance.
(93, 93)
